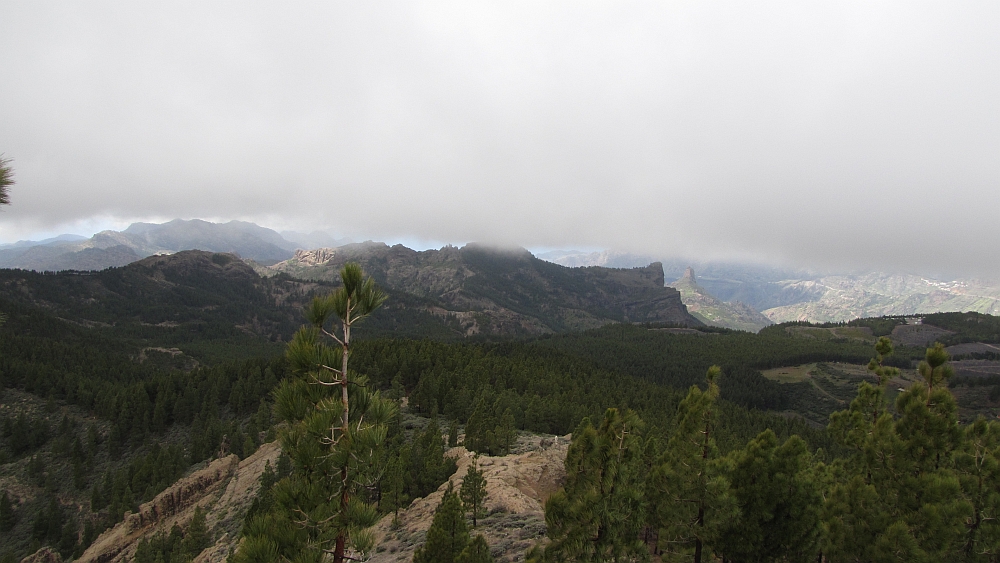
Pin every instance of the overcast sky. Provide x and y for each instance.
(847, 134)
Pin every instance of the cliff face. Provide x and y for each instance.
(224, 490)
(715, 312)
(505, 291)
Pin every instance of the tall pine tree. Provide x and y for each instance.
(690, 486)
(338, 426)
(978, 468)
(779, 502)
(597, 516)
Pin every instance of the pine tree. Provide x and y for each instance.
(393, 495)
(473, 491)
(689, 483)
(7, 516)
(475, 426)
(196, 537)
(779, 502)
(899, 496)
(6, 180)
(144, 552)
(858, 509)
(68, 538)
(453, 434)
(447, 537)
(505, 433)
(338, 427)
(428, 467)
(926, 483)
(478, 551)
(978, 467)
(596, 515)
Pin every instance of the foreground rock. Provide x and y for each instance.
(518, 485)
(224, 490)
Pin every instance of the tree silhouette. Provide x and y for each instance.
(473, 491)
(447, 537)
(6, 180)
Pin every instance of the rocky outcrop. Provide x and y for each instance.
(316, 257)
(517, 487)
(224, 489)
(715, 312)
(226, 516)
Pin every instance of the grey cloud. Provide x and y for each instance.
(851, 134)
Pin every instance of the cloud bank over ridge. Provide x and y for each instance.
(854, 134)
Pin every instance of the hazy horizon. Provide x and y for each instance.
(852, 136)
(616, 258)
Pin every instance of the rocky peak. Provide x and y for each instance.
(315, 257)
(689, 276)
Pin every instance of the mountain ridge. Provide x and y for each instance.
(508, 291)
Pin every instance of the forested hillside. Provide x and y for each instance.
(115, 383)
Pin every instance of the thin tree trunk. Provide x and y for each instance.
(338, 552)
(703, 478)
(343, 369)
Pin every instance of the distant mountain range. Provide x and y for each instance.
(726, 293)
(109, 249)
(872, 295)
(783, 294)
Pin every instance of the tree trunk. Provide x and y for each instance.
(338, 552)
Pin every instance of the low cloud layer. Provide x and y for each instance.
(849, 135)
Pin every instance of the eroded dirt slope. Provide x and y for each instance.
(517, 484)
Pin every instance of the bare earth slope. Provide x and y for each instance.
(517, 484)
(224, 489)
